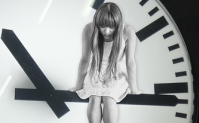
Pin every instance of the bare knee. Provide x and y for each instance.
(95, 100)
(108, 100)
(94, 109)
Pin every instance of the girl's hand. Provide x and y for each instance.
(136, 92)
(74, 89)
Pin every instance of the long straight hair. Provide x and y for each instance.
(107, 15)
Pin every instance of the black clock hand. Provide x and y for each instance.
(32, 70)
(152, 28)
(97, 3)
(25, 60)
(164, 88)
(143, 2)
(67, 96)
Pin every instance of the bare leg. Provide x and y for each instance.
(94, 110)
(110, 110)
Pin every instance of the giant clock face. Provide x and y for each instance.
(50, 31)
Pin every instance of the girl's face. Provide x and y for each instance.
(107, 32)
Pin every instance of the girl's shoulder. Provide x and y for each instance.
(88, 29)
(127, 31)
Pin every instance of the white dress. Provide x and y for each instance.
(117, 88)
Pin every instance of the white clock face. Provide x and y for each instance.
(51, 30)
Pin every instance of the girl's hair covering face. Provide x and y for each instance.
(108, 15)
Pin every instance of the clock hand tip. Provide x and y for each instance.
(3, 30)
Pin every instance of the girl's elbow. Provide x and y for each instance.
(130, 63)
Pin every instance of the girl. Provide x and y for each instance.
(107, 69)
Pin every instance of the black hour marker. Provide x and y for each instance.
(153, 11)
(178, 60)
(169, 34)
(32, 70)
(181, 115)
(179, 74)
(152, 28)
(67, 96)
(183, 101)
(143, 2)
(171, 88)
(97, 3)
(174, 47)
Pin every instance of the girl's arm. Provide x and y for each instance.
(85, 58)
(130, 60)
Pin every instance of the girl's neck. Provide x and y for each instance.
(108, 39)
